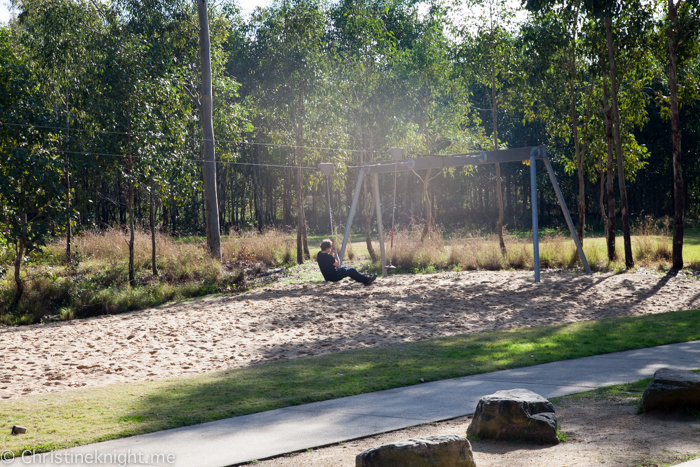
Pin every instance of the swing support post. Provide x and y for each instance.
(567, 216)
(348, 226)
(380, 227)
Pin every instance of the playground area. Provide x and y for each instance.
(287, 321)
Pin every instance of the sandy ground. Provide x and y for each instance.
(601, 432)
(292, 320)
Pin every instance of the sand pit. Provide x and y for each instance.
(292, 320)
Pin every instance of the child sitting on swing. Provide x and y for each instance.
(329, 264)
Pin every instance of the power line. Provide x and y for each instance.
(123, 133)
(101, 154)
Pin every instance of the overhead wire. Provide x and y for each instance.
(192, 138)
(101, 154)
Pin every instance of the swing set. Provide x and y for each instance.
(400, 164)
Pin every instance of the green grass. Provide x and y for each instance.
(630, 391)
(95, 414)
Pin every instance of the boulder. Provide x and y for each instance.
(672, 389)
(443, 451)
(514, 415)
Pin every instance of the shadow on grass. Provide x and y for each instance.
(214, 396)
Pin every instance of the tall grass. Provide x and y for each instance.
(482, 252)
(271, 248)
(651, 241)
(96, 281)
(410, 253)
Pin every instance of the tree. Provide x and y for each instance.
(289, 38)
(554, 50)
(365, 48)
(31, 167)
(60, 38)
(206, 109)
(681, 24)
(490, 56)
(431, 102)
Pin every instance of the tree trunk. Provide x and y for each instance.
(499, 194)
(678, 193)
(206, 108)
(624, 207)
(302, 239)
(286, 205)
(18, 264)
(299, 196)
(579, 157)
(369, 208)
(428, 207)
(120, 199)
(69, 255)
(130, 207)
(370, 203)
(152, 215)
(603, 217)
(610, 235)
(258, 197)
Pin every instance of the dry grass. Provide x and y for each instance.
(482, 252)
(651, 241)
(96, 281)
(409, 253)
(272, 248)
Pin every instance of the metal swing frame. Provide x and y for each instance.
(533, 154)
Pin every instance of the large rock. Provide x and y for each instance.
(514, 415)
(672, 389)
(442, 451)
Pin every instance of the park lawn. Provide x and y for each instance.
(88, 415)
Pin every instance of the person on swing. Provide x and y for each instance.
(329, 264)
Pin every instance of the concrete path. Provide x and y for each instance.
(257, 436)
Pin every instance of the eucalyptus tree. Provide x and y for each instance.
(364, 48)
(31, 165)
(431, 102)
(489, 56)
(60, 38)
(204, 102)
(289, 44)
(681, 26)
(628, 53)
(554, 57)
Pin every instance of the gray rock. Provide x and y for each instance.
(18, 430)
(442, 451)
(672, 389)
(514, 415)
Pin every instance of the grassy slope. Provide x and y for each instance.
(95, 414)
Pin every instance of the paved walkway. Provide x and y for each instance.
(257, 436)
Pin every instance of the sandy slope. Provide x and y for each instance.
(292, 320)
